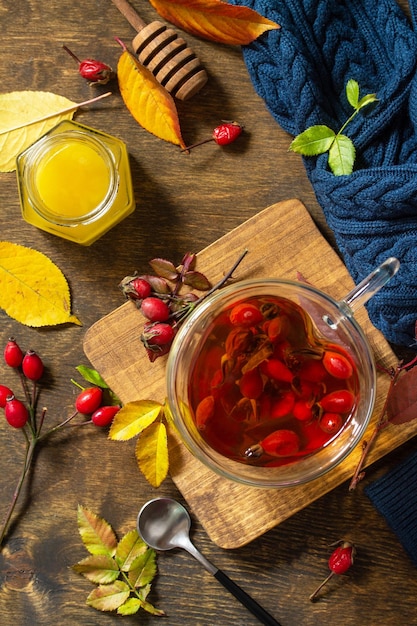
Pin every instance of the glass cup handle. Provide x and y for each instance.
(370, 285)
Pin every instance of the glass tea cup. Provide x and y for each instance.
(329, 325)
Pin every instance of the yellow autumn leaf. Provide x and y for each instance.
(215, 20)
(149, 103)
(20, 107)
(33, 290)
(133, 418)
(152, 453)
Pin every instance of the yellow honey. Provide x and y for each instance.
(75, 182)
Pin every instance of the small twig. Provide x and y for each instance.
(55, 114)
(382, 422)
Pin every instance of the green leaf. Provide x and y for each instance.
(352, 93)
(109, 597)
(342, 156)
(128, 549)
(96, 534)
(143, 569)
(130, 607)
(133, 418)
(315, 140)
(368, 99)
(99, 569)
(92, 376)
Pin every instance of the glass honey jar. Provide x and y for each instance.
(75, 182)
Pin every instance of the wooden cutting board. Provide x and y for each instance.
(282, 240)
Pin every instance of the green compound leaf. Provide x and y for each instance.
(96, 534)
(99, 569)
(352, 93)
(128, 549)
(315, 140)
(368, 99)
(143, 569)
(130, 607)
(342, 155)
(109, 597)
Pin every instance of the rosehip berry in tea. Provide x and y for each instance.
(266, 388)
(337, 365)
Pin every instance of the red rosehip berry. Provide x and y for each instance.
(141, 289)
(340, 401)
(279, 443)
(5, 392)
(225, 133)
(337, 365)
(277, 370)
(32, 365)
(154, 309)
(251, 384)
(92, 70)
(339, 562)
(157, 334)
(104, 415)
(89, 400)
(16, 412)
(331, 423)
(245, 314)
(13, 354)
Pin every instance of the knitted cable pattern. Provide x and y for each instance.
(301, 72)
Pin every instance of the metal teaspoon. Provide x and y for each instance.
(164, 524)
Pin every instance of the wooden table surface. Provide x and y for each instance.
(183, 203)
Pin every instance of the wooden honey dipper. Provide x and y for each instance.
(166, 55)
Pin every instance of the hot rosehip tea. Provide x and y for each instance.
(265, 389)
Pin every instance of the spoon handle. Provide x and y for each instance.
(251, 604)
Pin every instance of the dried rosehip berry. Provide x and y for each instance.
(339, 562)
(279, 443)
(5, 392)
(16, 412)
(251, 384)
(331, 423)
(337, 365)
(13, 355)
(104, 415)
(157, 334)
(32, 365)
(89, 400)
(245, 314)
(340, 401)
(154, 309)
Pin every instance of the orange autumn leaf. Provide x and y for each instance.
(215, 20)
(149, 103)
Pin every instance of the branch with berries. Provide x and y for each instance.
(96, 402)
(160, 299)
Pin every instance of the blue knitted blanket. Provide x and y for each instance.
(301, 72)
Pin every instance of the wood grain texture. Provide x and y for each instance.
(282, 240)
(183, 203)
